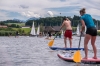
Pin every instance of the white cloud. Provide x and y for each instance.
(31, 8)
(50, 13)
(30, 14)
(3, 16)
(93, 11)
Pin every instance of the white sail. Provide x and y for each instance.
(38, 30)
(62, 33)
(85, 29)
(33, 30)
(78, 31)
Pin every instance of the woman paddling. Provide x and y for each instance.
(91, 32)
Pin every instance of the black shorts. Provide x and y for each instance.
(91, 31)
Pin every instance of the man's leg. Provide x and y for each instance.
(70, 41)
(65, 42)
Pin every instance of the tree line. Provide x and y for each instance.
(57, 21)
(50, 21)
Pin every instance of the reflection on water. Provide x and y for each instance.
(33, 51)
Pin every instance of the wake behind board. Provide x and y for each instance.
(59, 48)
(85, 61)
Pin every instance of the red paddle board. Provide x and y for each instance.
(86, 61)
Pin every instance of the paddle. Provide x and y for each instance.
(52, 41)
(77, 54)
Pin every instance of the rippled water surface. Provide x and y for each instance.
(34, 51)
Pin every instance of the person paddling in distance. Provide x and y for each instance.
(68, 32)
(91, 32)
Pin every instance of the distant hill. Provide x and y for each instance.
(18, 20)
(33, 18)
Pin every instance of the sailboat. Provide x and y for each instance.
(38, 30)
(84, 31)
(62, 33)
(33, 30)
(78, 31)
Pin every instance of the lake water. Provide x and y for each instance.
(34, 51)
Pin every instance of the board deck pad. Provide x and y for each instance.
(59, 48)
(85, 61)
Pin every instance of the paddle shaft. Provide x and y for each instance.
(55, 35)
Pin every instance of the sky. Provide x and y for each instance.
(25, 9)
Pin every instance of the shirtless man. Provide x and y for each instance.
(68, 32)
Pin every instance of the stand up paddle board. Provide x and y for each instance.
(58, 48)
(85, 61)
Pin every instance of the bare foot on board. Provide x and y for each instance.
(85, 58)
(94, 57)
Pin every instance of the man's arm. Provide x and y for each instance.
(62, 25)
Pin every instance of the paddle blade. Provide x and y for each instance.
(77, 56)
(50, 43)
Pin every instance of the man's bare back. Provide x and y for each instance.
(67, 24)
